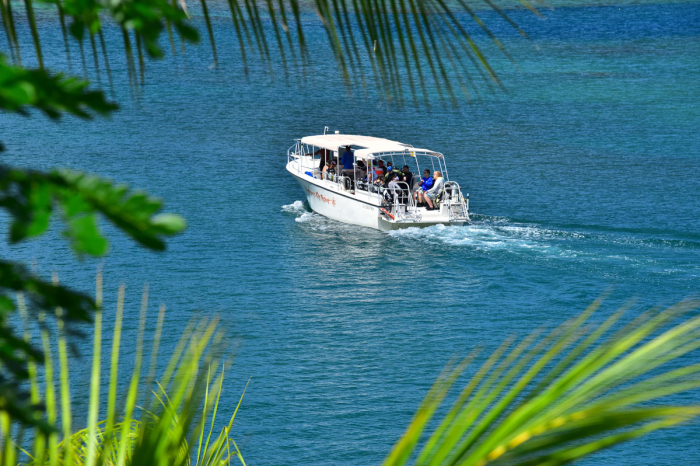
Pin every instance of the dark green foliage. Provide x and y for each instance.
(15, 352)
(14, 401)
(30, 198)
(53, 94)
(147, 18)
(15, 278)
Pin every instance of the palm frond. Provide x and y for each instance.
(552, 400)
(103, 46)
(160, 431)
(387, 42)
(205, 10)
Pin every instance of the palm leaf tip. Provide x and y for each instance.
(557, 399)
(396, 41)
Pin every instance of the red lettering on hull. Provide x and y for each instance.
(321, 197)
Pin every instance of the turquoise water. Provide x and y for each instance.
(585, 174)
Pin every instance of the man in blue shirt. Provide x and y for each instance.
(348, 160)
(425, 184)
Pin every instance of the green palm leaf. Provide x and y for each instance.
(392, 40)
(552, 400)
(150, 428)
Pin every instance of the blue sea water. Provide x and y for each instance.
(584, 174)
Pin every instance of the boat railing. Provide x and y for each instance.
(294, 152)
(457, 205)
(341, 180)
(400, 200)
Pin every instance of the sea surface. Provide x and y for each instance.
(583, 175)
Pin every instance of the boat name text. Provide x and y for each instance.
(321, 197)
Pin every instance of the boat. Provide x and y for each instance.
(351, 197)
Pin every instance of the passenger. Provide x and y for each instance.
(379, 182)
(362, 170)
(393, 184)
(348, 162)
(389, 169)
(425, 184)
(390, 172)
(393, 187)
(373, 170)
(329, 169)
(407, 177)
(324, 153)
(435, 191)
(379, 170)
(325, 160)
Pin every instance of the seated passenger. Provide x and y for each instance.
(325, 160)
(394, 188)
(393, 184)
(361, 170)
(388, 170)
(329, 168)
(378, 169)
(391, 171)
(431, 195)
(379, 181)
(425, 184)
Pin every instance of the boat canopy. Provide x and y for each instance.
(369, 146)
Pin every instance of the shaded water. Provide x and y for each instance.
(585, 174)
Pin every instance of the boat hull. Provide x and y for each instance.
(344, 207)
(337, 206)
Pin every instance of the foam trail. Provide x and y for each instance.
(297, 207)
(487, 235)
(491, 235)
(499, 235)
(303, 215)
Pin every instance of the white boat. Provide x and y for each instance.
(348, 197)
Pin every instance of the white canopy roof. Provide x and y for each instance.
(370, 145)
(333, 141)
